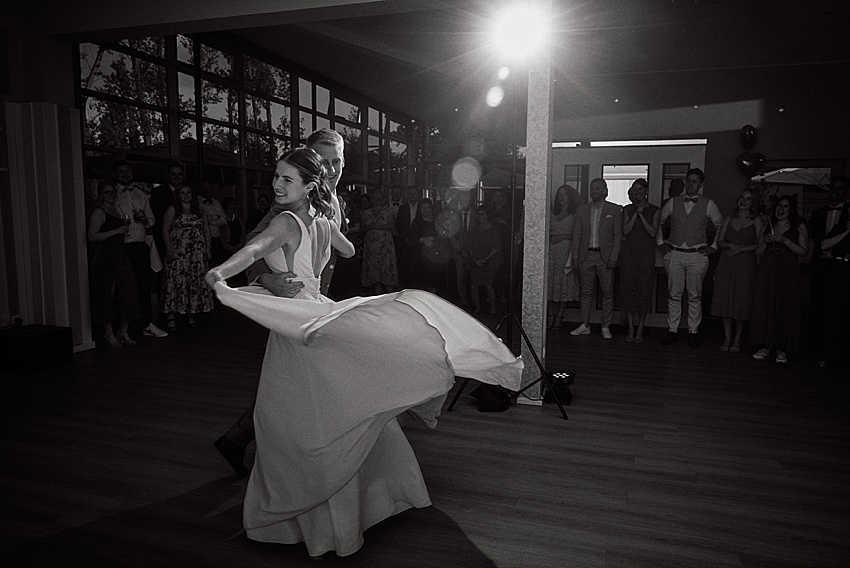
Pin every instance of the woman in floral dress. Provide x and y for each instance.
(379, 273)
(187, 248)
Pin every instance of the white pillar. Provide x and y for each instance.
(536, 214)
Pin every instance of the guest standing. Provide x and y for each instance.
(830, 275)
(111, 268)
(563, 275)
(134, 205)
(254, 218)
(686, 253)
(186, 234)
(433, 250)
(379, 272)
(233, 236)
(637, 258)
(777, 297)
(736, 270)
(597, 238)
(485, 257)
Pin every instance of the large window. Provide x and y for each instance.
(620, 178)
(230, 114)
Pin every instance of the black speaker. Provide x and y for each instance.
(28, 348)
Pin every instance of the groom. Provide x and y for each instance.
(330, 146)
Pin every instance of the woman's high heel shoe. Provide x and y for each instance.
(126, 339)
(112, 341)
(557, 324)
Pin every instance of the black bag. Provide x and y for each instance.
(560, 390)
(491, 398)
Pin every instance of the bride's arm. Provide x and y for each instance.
(339, 242)
(281, 229)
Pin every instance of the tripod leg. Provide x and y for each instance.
(543, 376)
(457, 395)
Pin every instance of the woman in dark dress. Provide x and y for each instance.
(434, 250)
(733, 278)
(111, 267)
(637, 268)
(777, 297)
(485, 256)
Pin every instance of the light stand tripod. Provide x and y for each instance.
(544, 376)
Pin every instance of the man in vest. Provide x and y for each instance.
(686, 253)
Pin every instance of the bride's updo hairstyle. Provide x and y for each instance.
(311, 167)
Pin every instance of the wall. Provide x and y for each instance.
(812, 124)
(656, 157)
(45, 276)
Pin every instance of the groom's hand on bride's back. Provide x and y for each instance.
(280, 284)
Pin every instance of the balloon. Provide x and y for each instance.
(750, 163)
(748, 137)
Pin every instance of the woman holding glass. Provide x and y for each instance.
(111, 268)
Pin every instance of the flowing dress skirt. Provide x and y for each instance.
(331, 458)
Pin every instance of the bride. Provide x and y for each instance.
(331, 457)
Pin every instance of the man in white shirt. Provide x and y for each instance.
(133, 204)
(686, 253)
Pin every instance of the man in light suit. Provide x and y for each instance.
(597, 237)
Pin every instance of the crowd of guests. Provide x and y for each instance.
(445, 245)
(757, 280)
(151, 250)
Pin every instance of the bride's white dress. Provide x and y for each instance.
(331, 458)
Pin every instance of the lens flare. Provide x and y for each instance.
(466, 172)
(495, 96)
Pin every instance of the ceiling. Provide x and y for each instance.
(428, 58)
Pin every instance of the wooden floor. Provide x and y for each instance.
(671, 457)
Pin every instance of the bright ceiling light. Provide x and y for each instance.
(520, 30)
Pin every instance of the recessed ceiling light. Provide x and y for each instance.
(616, 100)
(781, 109)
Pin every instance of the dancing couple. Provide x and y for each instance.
(331, 458)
